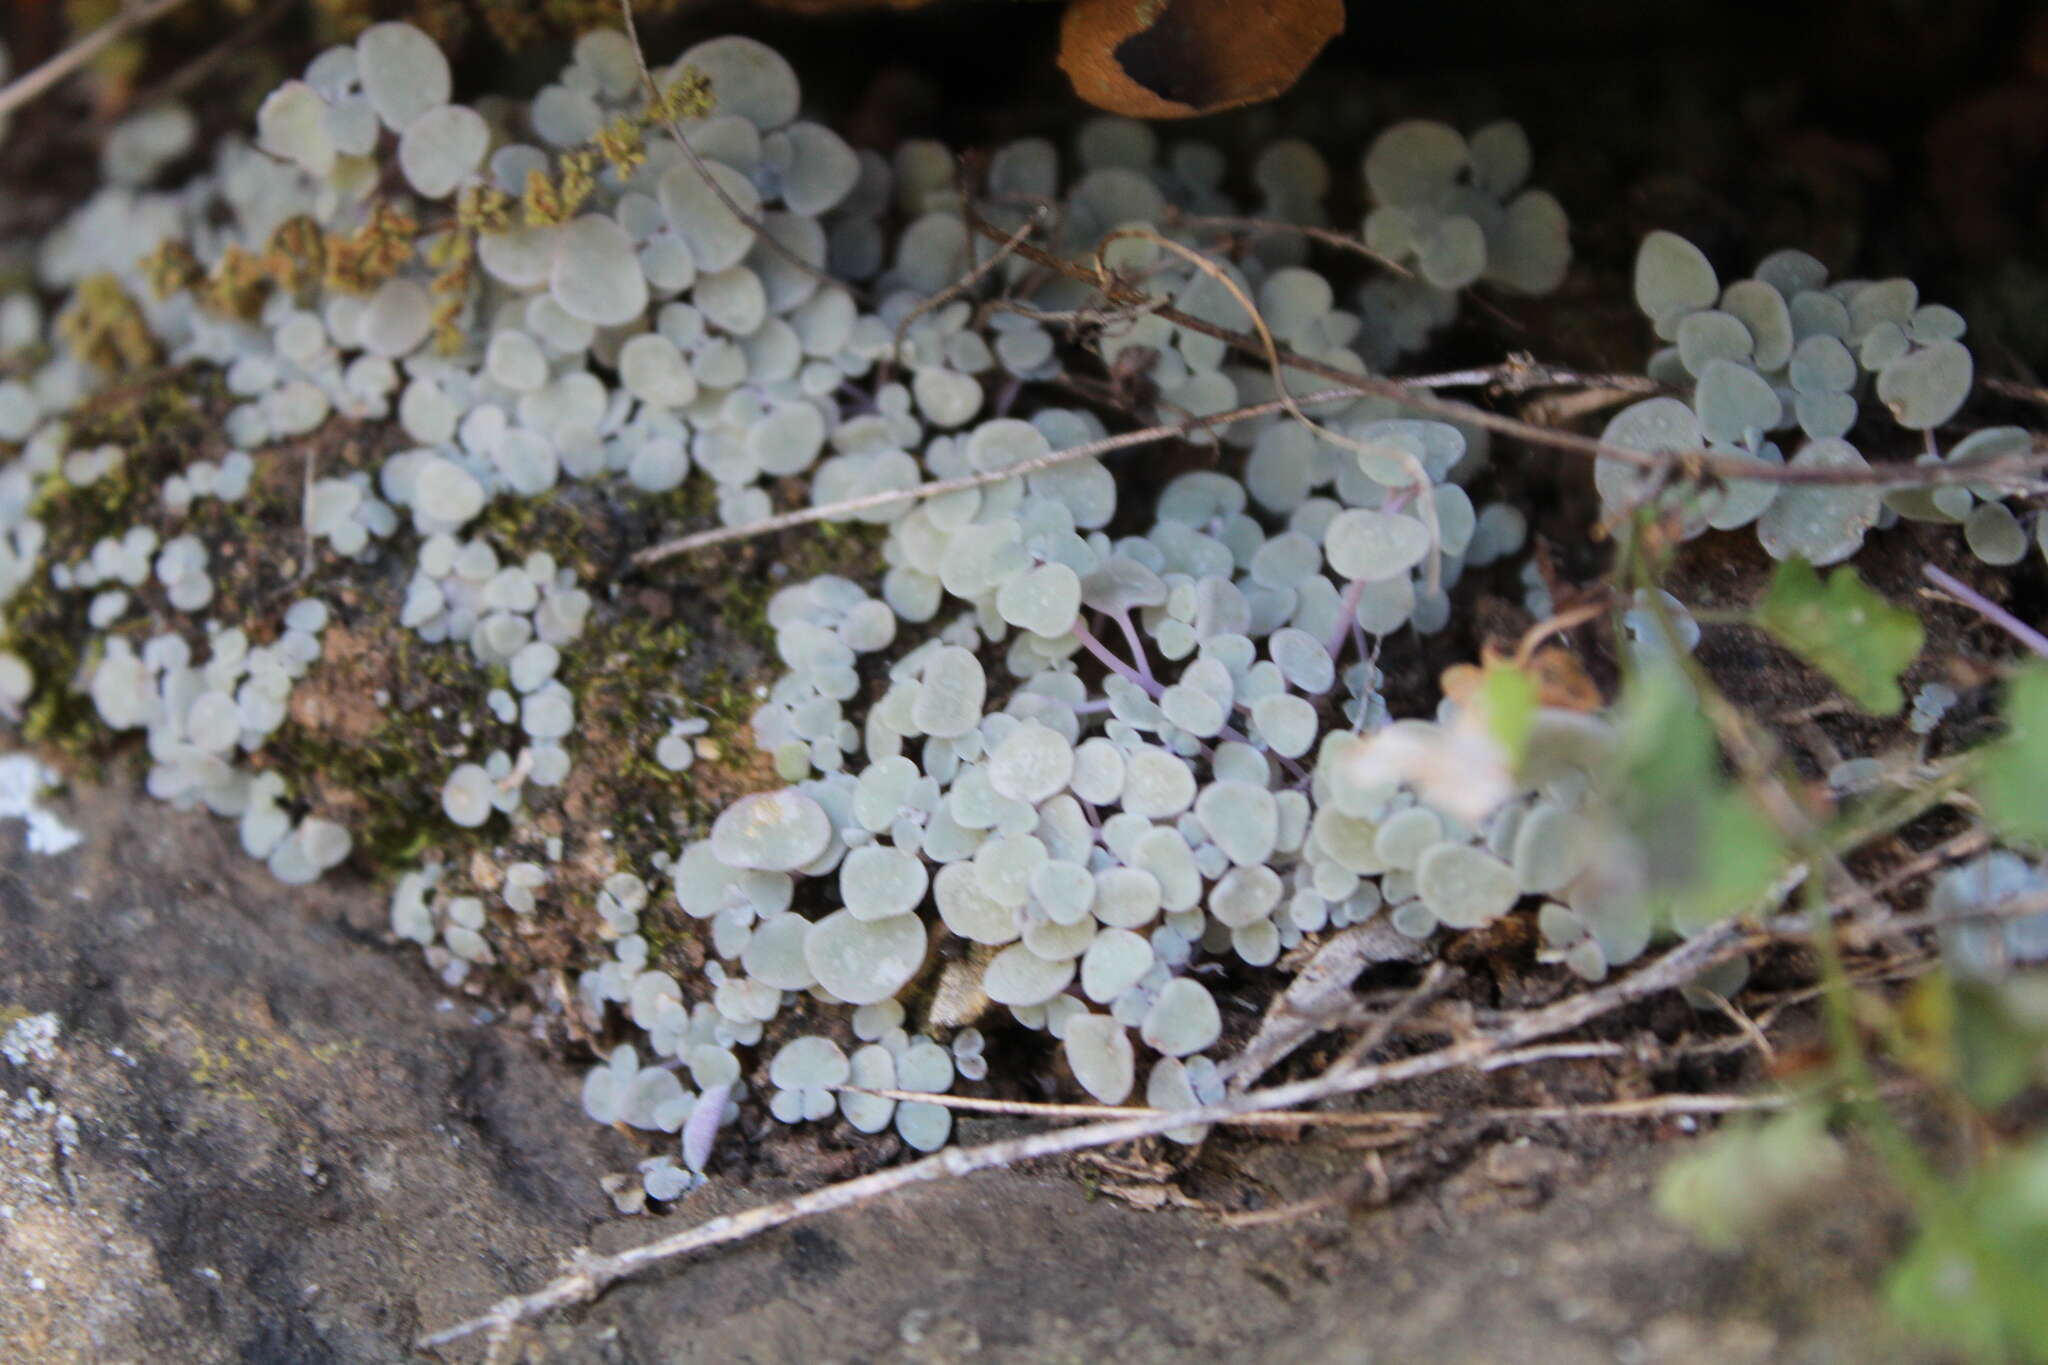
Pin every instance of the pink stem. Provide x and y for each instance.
(1986, 608)
(1115, 665)
(1347, 617)
(1122, 616)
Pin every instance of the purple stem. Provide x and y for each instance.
(1006, 396)
(1347, 618)
(1122, 616)
(1115, 665)
(1347, 613)
(1986, 608)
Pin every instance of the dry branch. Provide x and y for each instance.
(591, 1274)
(33, 83)
(669, 549)
(2007, 471)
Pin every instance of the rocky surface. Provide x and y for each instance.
(261, 1135)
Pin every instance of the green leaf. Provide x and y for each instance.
(1845, 630)
(1509, 698)
(1977, 1276)
(1708, 851)
(2014, 767)
(1732, 1185)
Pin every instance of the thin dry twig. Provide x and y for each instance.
(669, 549)
(976, 273)
(761, 233)
(2013, 388)
(590, 1274)
(1343, 241)
(1425, 505)
(2009, 470)
(2019, 907)
(1744, 1025)
(1274, 227)
(1554, 1052)
(1522, 373)
(200, 67)
(1319, 995)
(33, 83)
(1434, 982)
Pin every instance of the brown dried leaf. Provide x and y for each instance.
(1179, 58)
(1561, 679)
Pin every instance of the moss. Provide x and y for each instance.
(376, 726)
(158, 420)
(851, 549)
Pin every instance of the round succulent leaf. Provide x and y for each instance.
(778, 831)
(1045, 600)
(1653, 426)
(1452, 252)
(809, 1063)
(1241, 819)
(596, 276)
(1501, 158)
(1764, 313)
(748, 79)
(774, 954)
(1824, 415)
(1016, 976)
(1183, 1020)
(872, 1067)
(1365, 543)
(404, 73)
(716, 238)
(1995, 535)
(968, 910)
(1115, 961)
(1820, 523)
(860, 961)
(1735, 404)
(1415, 162)
(1531, 251)
(1099, 1053)
(1926, 387)
(1126, 897)
(1673, 277)
(1712, 334)
(1822, 364)
(951, 693)
(877, 881)
(1033, 762)
(1465, 886)
(1791, 272)
(441, 148)
(1739, 502)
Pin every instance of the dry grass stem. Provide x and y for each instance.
(976, 273)
(669, 549)
(1425, 505)
(30, 84)
(590, 1274)
(2020, 472)
(732, 206)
